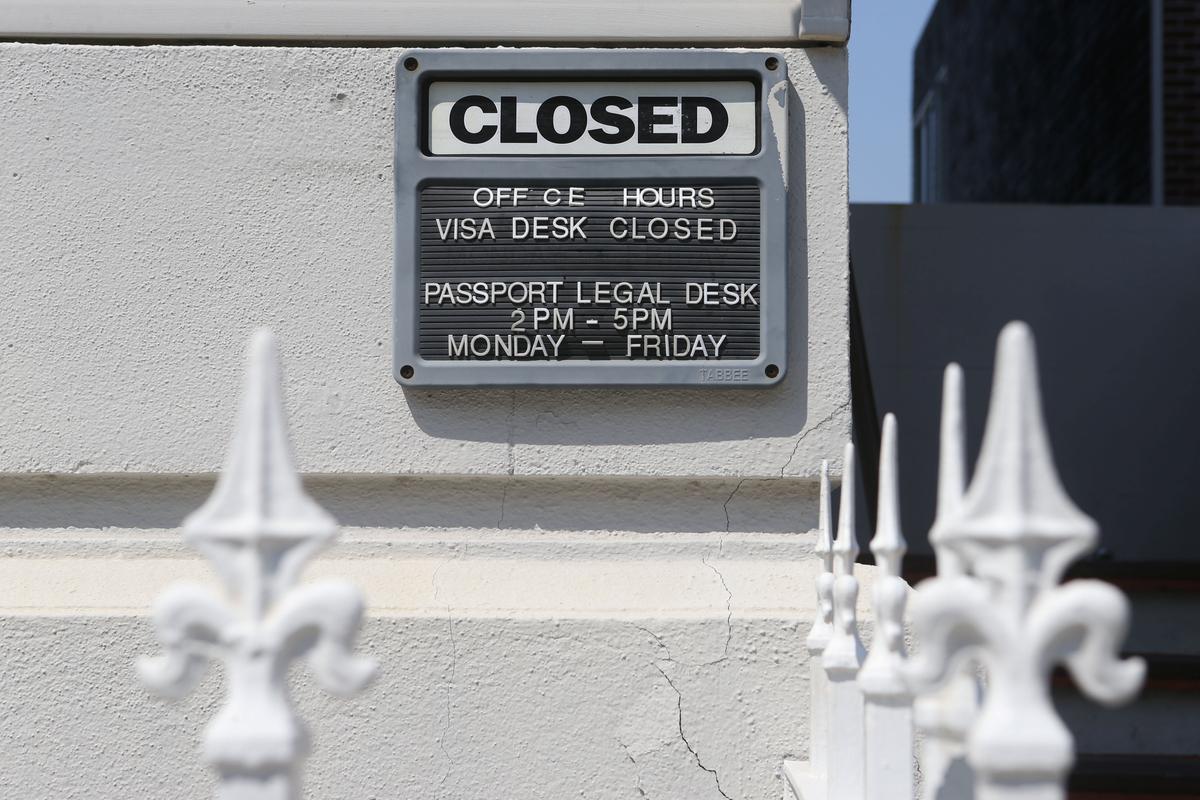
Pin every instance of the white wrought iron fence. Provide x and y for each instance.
(1002, 544)
(258, 529)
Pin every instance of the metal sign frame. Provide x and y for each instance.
(414, 168)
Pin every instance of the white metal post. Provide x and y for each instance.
(818, 635)
(844, 655)
(944, 715)
(258, 529)
(888, 753)
(1018, 531)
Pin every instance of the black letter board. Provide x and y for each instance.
(575, 217)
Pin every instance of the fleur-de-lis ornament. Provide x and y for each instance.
(1018, 531)
(258, 529)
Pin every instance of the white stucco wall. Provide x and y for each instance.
(160, 202)
(584, 592)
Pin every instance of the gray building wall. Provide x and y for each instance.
(1111, 294)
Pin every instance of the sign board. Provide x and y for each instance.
(590, 217)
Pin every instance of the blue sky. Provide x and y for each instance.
(882, 39)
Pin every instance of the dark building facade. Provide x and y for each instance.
(1181, 101)
(1058, 101)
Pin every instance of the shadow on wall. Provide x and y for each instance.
(111, 505)
(608, 416)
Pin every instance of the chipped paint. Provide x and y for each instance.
(777, 108)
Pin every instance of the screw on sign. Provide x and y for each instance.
(577, 217)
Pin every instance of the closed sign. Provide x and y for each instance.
(638, 118)
(590, 217)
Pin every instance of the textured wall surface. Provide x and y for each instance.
(676, 676)
(464, 708)
(573, 593)
(159, 202)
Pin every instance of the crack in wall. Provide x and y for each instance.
(840, 407)
(504, 501)
(510, 453)
(828, 418)
(725, 507)
(683, 736)
(449, 684)
(637, 775)
(511, 439)
(728, 612)
(657, 640)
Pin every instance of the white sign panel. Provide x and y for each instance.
(640, 118)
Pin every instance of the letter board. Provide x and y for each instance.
(575, 217)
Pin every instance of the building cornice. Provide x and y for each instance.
(601, 22)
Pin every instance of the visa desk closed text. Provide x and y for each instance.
(591, 217)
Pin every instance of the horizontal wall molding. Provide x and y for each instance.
(695, 588)
(424, 21)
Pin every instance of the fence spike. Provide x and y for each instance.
(1018, 530)
(258, 528)
(1016, 500)
(945, 715)
(952, 467)
(888, 545)
(824, 522)
(844, 654)
(818, 634)
(845, 546)
(888, 734)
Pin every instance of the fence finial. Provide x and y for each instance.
(845, 650)
(844, 654)
(845, 546)
(952, 468)
(818, 634)
(888, 715)
(1018, 530)
(888, 545)
(1015, 501)
(881, 670)
(258, 529)
(945, 715)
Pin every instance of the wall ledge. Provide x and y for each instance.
(759, 22)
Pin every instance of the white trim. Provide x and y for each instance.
(471, 587)
(825, 21)
(416, 21)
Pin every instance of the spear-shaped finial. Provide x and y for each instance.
(888, 718)
(952, 469)
(821, 629)
(845, 546)
(259, 526)
(824, 546)
(888, 545)
(1017, 530)
(844, 655)
(1016, 499)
